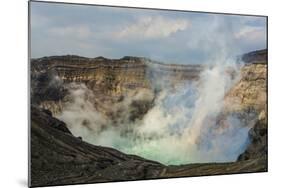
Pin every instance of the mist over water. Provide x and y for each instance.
(184, 125)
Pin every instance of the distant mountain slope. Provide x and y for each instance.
(259, 56)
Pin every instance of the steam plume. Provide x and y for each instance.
(184, 125)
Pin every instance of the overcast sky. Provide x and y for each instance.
(167, 36)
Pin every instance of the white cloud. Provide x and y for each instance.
(251, 33)
(152, 27)
(38, 20)
(75, 31)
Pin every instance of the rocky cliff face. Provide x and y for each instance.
(251, 90)
(112, 76)
(110, 80)
(249, 95)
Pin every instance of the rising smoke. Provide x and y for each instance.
(185, 124)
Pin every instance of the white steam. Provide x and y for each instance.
(184, 125)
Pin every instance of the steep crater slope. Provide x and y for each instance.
(112, 83)
(250, 94)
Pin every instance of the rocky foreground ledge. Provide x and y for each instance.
(58, 157)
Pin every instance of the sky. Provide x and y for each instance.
(168, 36)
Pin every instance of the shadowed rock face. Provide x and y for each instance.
(58, 157)
(258, 142)
(259, 56)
